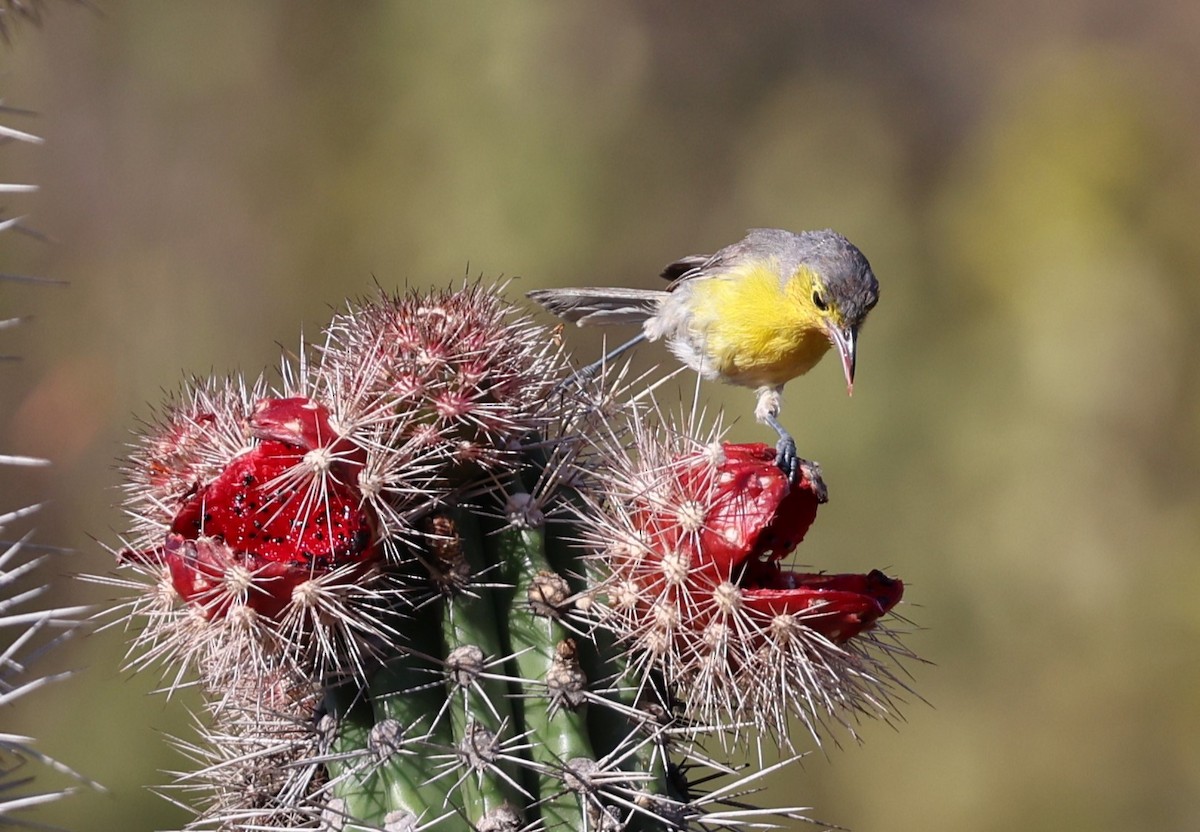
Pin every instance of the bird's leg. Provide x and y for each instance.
(587, 373)
(793, 467)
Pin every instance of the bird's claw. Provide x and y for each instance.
(800, 471)
(786, 458)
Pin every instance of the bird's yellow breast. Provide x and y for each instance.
(755, 328)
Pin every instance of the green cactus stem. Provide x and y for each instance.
(401, 695)
(479, 704)
(543, 654)
(360, 796)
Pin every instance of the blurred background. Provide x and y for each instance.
(1024, 440)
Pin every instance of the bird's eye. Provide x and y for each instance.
(819, 301)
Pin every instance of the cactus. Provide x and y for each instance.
(432, 580)
(29, 630)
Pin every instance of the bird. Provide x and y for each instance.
(758, 313)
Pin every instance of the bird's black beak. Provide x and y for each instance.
(846, 341)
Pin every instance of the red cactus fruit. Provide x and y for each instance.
(753, 512)
(731, 523)
(300, 421)
(756, 520)
(691, 539)
(269, 521)
(838, 606)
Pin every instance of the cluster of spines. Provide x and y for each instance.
(30, 633)
(685, 535)
(273, 520)
(455, 378)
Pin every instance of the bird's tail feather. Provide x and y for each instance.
(592, 307)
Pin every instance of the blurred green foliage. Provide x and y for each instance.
(1023, 444)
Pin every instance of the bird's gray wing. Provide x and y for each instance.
(767, 241)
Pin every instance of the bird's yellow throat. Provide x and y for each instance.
(757, 328)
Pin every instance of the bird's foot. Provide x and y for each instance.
(800, 471)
